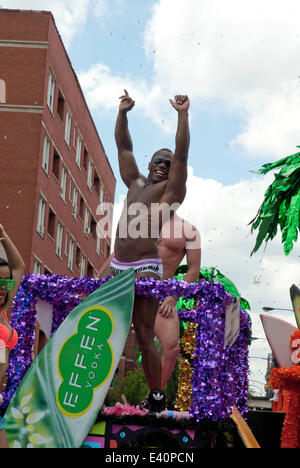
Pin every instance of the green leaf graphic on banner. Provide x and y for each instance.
(85, 361)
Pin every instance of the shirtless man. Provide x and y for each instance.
(177, 239)
(165, 184)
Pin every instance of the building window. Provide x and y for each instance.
(106, 249)
(37, 266)
(60, 106)
(41, 217)
(85, 159)
(81, 208)
(74, 136)
(96, 183)
(63, 183)
(46, 153)
(71, 253)
(78, 149)
(75, 202)
(90, 270)
(68, 127)
(86, 221)
(56, 164)
(59, 238)
(101, 193)
(51, 91)
(77, 258)
(66, 244)
(98, 244)
(51, 223)
(2, 92)
(93, 228)
(89, 175)
(82, 266)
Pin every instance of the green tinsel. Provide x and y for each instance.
(281, 205)
(211, 274)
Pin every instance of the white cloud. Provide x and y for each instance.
(233, 56)
(102, 88)
(236, 56)
(243, 55)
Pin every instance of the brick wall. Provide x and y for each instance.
(25, 118)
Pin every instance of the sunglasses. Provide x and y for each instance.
(9, 284)
(166, 162)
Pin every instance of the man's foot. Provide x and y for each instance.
(156, 401)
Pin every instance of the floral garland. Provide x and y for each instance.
(220, 377)
(288, 379)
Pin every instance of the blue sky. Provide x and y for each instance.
(239, 64)
(120, 45)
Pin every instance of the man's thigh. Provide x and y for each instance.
(167, 330)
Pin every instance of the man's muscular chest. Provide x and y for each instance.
(139, 192)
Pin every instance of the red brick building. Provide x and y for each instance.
(53, 167)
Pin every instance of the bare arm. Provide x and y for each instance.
(15, 262)
(176, 187)
(127, 164)
(193, 252)
(193, 258)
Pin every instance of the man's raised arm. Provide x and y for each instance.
(127, 164)
(176, 188)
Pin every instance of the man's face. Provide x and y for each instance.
(159, 166)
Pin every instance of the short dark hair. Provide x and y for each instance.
(163, 149)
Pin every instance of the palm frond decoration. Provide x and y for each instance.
(281, 204)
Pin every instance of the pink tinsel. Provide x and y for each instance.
(123, 410)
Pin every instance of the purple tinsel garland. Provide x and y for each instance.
(220, 376)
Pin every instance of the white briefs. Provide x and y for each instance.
(148, 265)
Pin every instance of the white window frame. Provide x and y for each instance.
(101, 192)
(63, 182)
(75, 202)
(51, 90)
(41, 217)
(59, 238)
(66, 244)
(82, 266)
(89, 174)
(78, 149)
(86, 221)
(2, 92)
(68, 124)
(37, 266)
(71, 253)
(74, 135)
(98, 243)
(46, 153)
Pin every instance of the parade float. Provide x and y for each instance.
(55, 400)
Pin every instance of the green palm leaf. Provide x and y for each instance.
(281, 204)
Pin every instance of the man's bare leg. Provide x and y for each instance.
(144, 313)
(167, 331)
